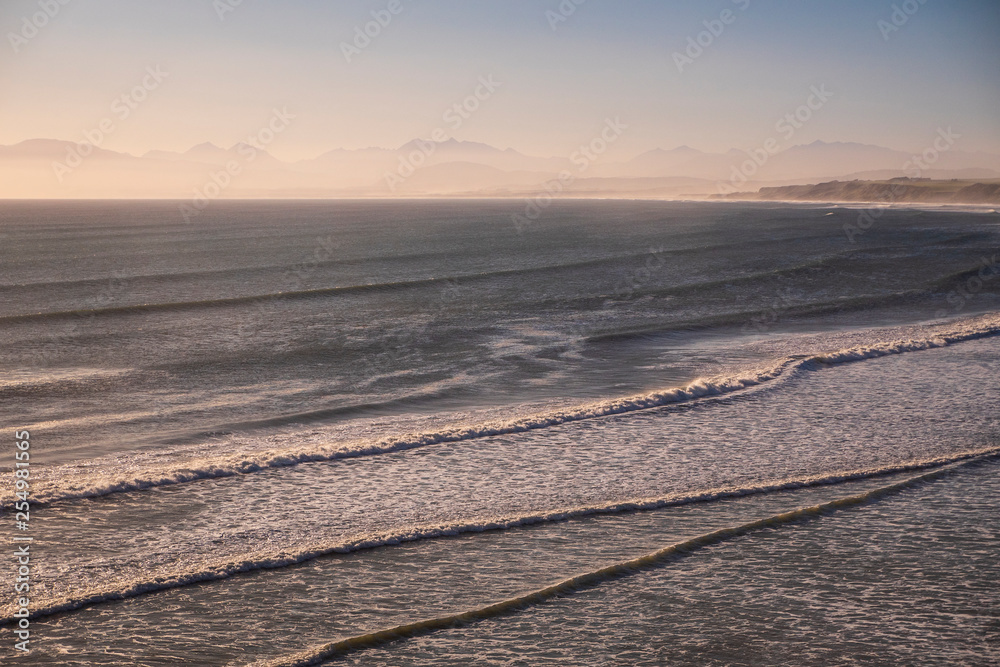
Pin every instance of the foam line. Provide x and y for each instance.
(225, 570)
(317, 655)
(44, 493)
(228, 466)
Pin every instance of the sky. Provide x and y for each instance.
(891, 73)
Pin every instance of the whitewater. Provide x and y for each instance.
(410, 433)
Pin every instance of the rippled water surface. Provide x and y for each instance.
(296, 424)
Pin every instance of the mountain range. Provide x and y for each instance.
(63, 169)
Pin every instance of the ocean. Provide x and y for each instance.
(441, 433)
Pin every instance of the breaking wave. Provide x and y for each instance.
(316, 655)
(225, 570)
(73, 488)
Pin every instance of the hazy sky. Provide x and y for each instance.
(608, 59)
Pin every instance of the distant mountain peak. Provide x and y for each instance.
(453, 165)
(207, 147)
(683, 149)
(840, 144)
(56, 149)
(450, 143)
(28, 143)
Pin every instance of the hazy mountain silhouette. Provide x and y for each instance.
(54, 168)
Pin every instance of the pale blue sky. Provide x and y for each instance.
(610, 58)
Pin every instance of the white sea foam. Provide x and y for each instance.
(124, 589)
(70, 484)
(318, 654)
